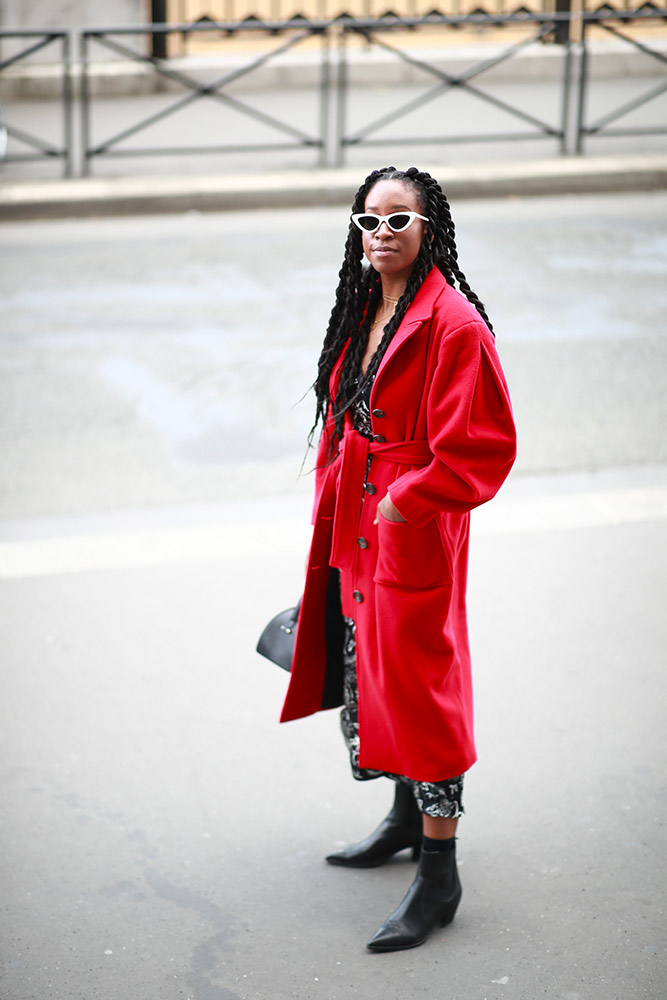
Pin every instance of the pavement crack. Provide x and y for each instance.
(203, 961)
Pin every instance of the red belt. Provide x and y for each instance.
(355, 449)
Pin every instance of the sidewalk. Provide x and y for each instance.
(292, 188)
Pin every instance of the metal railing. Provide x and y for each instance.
(331, 133)
(541, 27)
(39, 147)
(216, 90)
(608, 21)
(333, 101)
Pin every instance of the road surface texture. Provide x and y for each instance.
(162, 836)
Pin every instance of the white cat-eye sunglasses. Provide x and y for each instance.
(368, 222)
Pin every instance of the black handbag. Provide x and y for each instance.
(277, 640)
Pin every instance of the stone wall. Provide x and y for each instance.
(66, 14)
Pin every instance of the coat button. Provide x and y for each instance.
(378, 413)
(358, 596)
(362, 543)
(370, 489)
(379, 438)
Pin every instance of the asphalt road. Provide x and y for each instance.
(154, 361)
(162, 837)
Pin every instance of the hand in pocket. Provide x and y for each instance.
(387, 509)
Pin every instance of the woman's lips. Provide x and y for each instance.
(383, 251)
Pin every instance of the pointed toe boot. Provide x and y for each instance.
(430, 902)
(399, 830)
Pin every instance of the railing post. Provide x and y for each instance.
(562, 31)
(341, 98)
(565, 109)
(159, 38)
(582, 90)
(67, 105)
(85, 107)
(325, 102)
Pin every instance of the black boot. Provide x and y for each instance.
(401, 828)
(430, 901)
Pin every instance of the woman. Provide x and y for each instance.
(417, 430)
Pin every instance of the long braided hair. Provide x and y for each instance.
(360, 290)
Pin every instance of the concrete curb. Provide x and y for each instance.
(144, 195)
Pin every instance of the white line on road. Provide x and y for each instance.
(257, 538)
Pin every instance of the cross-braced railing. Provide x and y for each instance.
(36, 147)
(334, 122)
(293, 136)
(375, 33)
(607, 19)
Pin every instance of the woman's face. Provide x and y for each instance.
(393, 254)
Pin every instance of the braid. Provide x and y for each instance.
(444, 249)
(360, 289)
(351, 315)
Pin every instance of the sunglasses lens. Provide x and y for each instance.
(368, 222)
(399, 221)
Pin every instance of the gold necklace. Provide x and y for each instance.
(383, 317)
(389, 313)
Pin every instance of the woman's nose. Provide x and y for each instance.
(384, 230)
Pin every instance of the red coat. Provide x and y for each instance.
(445, 442)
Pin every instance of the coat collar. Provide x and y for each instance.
(419, 310)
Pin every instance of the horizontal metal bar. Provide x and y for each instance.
(629, 130)
(34, 157)
(33, 32)
(447, 139)
(118, 154)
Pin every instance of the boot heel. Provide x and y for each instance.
(416, 851)
(450, 912)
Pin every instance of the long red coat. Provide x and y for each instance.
(444, 443)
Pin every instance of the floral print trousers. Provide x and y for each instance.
(434, 798)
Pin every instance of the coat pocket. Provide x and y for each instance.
(412, 557)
